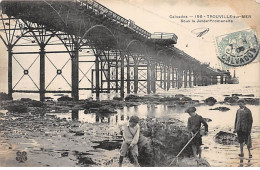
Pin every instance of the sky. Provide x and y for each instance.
(154, 16)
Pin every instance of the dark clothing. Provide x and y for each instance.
(194, 124)
(243, 137)
(244, 120)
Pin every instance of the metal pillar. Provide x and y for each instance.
(173, 85)
(108, 73)
(116, 73)
(153, 77)
(169, 78)
(97, 78)
(190, 83)
(135, 78)
(42, 71)
(122, 77)
(221, 79)
(75, 73)
(10, 71)
(185, 78)
(128, 75)
(148, 78)
(164, 78)
(161, 75)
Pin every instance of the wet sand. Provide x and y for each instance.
(58, 139)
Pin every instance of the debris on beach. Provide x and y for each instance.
(210, 101)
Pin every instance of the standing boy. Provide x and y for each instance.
(131, 132)
(243, 126)
(194, 124)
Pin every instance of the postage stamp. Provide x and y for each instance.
(237, 48)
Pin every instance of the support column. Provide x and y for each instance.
(221, 79)
(161, 75)
(128, 75)
(194, 78)
(97, 78)
(135, 78)
(168, 78)
(190, 83)
(108, 73)
(10, 71)
(75, 73)
(164, 78)
(42, 71)
(153, 77)
(173, 85)
(148, 77)
(180, 76)
(185, 78)
(116, 73)
(122, 77)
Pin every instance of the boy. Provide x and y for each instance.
(194, 124)
(243, 126)
(131, 132)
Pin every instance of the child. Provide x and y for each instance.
(131, 132)
(194, 124)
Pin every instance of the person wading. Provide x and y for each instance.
(131, 133)
(194, 124)
(243, 126)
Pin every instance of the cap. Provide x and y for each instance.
(134, 119)
(190, 110)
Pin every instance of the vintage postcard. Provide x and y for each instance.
(129, 83)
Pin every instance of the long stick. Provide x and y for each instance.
(184, 147)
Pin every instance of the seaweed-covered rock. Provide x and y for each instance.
(253, 101)
(34, 103)
(92, 104)
(106, 110)
(222, 109)
(133, 98)
(226, 138)
(118, 98)
(17, 108)
(210, 101)
(65, 98)
(4, 96)
(165, 140)
(233, 99)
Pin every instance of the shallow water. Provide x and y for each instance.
(216, 154)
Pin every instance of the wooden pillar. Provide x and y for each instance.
(122, 92)
(161, 77)
(180, 78)
(10, 71)
(97, 78)
(75, 73)
(75, 115)
(42, 71)
(128, 75)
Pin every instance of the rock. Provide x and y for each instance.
(192, 162)
(253, 101)
(222, 109)
(226, 138)
(210, 101)
(167, 99)
(233, 95)
(118, 98)
(64, 154)
(4, 96)
(130, 104)
(25, 99)
(133, 98)
(233, 99)
(65, 98)
(165, 139)
(34, 103)
(92, 104)
(249, 95)
(85, 161)
(106, 110)
(17, 107)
